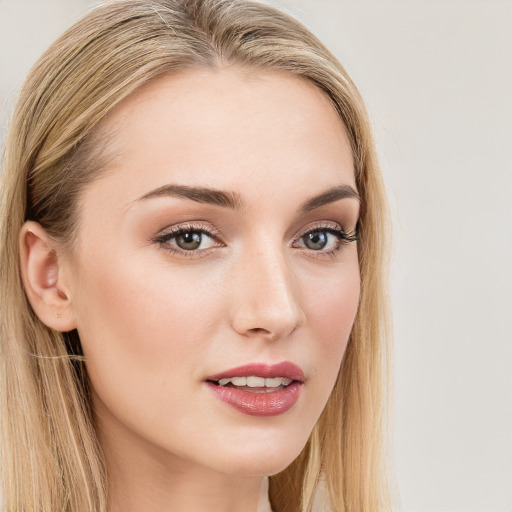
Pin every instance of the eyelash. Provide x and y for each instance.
(164, 238)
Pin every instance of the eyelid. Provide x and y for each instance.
(208, 229)
(327, 225)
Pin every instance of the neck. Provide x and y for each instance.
(187, 492)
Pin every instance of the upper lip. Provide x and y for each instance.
(285, 369)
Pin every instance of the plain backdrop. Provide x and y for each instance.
(437, 79)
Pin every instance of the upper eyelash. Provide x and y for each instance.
(173, 232)
(350, 236)
(169, 233)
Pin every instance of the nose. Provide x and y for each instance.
(266, 298)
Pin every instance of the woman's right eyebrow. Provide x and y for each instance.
(233, 200)
(199, 194)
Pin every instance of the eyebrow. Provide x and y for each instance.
(329, 196)
(233, 200)
(199, 194)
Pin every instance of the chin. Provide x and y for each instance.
(256, 467)
(258, 459)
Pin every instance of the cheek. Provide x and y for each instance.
(332, 305)
(142, 327)
(331, 310)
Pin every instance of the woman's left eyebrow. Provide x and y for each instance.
(329, 196)
(233, 200)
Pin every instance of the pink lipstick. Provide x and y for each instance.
(259, 389)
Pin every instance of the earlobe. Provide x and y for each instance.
(42, 275)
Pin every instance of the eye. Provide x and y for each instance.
(192, 240)
(325, 239)
(318, 240)
(187, 239)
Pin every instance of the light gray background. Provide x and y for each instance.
(437, 78)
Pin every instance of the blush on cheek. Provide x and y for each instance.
(332, 316)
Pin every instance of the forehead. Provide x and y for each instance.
(227, 128)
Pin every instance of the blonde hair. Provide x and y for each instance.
(51, 460)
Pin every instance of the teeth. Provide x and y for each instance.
(256, 382)
(277, 381)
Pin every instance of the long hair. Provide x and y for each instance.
(51, 459)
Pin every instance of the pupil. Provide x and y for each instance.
(316, 240)
(189, 241)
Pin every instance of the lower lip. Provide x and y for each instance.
(259, 404)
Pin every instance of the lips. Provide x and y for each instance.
(259, 389)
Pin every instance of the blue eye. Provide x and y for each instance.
(325, 239)
(316, 240)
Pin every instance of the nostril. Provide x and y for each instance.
(259, 330)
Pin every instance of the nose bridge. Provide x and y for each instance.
(267, 300)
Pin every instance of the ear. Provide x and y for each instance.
(41, 272)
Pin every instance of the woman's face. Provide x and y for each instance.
(221, 236)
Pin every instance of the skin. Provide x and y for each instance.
(155, 323)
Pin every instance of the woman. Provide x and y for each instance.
(193, 254)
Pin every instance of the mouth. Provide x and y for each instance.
(259, 389)
(254, 384)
